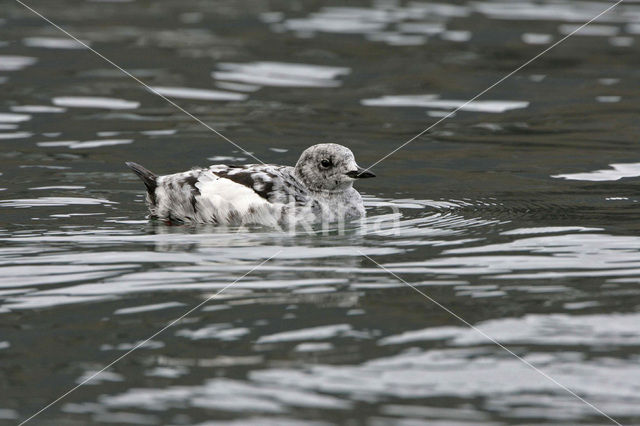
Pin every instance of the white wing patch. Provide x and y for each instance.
(230, 202)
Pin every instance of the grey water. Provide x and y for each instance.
(518, 214)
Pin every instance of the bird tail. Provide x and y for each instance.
(149, 178)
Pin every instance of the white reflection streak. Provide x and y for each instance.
(142, 83)
(500, 345)
(557, 43)
(169, 325)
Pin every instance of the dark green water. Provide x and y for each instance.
(519, 214)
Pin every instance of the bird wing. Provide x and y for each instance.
(226, 194)
(273, 183)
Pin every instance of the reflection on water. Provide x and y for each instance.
(94, 102)
(15, 63)
(202, 94)
(432, 101)
(52, 43)
(519, 214)
(280, 74)
(617, 172)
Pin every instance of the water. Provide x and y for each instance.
(519, 214)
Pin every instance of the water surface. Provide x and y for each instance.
(519, 214)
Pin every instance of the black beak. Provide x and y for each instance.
(360, 174)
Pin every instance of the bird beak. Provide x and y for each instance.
(360, 173)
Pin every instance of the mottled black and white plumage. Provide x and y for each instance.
(318, 189)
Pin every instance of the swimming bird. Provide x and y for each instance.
(318, 189)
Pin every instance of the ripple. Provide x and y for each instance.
(225, 395)
(6, 117)
(147, 308)
(53, 43)
(357, 20)
(16, 135)
(429, 28)
(87, 144)
(471, 374)
(608, 99)
(224, 332)
(224, 158)
(15, 63)
(590, 30)
(103, 376)
(433, 101)
(618, 171)
(535, 258)
(199, 94)
(37, 109)
(94, 102)
(456, 36)
(546, 11)
(52, 202)
(265, 421)
(24, 276)
(159, 132)
(238, 86)
(545, 330)
(313, 347)
(56, 143)
(315, 333)
(7, 413)
(397, 39)
(537, 38)
(332, 25)
(71, 187)
(100, 143)
(281, 74)
(549, 230)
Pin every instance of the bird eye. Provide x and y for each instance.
(325, 163)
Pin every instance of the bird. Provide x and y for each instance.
(318, 189)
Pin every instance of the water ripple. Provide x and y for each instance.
(94, 102)
(281, 74)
